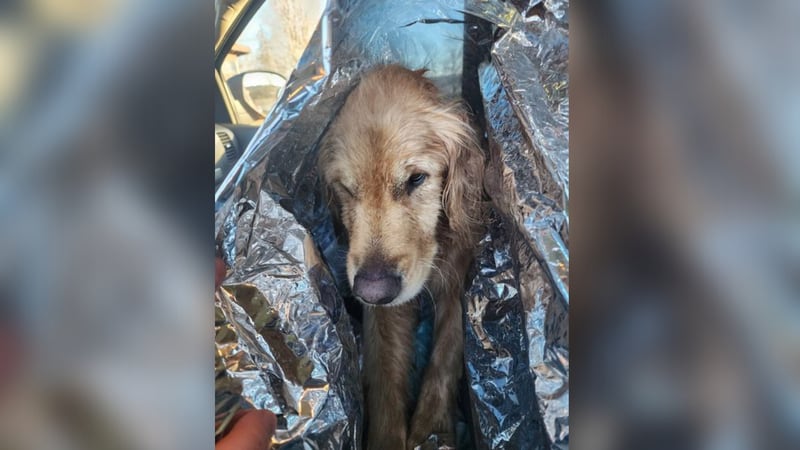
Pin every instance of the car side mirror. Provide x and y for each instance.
(256, 91)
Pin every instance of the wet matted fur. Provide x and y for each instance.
(404, 173)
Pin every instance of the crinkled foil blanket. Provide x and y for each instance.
(284, 339)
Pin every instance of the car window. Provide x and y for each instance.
(258, 64)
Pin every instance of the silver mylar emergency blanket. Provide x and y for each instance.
(284, 340)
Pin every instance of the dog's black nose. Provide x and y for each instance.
(376, 284)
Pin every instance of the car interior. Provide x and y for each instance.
(258, 44)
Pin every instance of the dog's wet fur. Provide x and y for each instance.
(404, 173)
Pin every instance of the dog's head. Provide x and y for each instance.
(405, 174)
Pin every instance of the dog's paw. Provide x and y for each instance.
(431, 431)
(434, 442)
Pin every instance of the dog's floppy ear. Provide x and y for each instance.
(328, 197)
(463, 188)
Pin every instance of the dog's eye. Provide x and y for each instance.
(416, 180)
(346, 190)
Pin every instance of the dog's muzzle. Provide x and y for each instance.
(376, 284)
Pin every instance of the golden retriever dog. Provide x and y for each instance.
(404, 173)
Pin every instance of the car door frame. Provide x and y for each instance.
(223, 105)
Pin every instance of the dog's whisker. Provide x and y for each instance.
(442, 261)
(433, 300)
(438, 270)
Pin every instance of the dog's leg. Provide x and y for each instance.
(436, 406)
(388, 356)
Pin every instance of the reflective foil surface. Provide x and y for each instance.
(284, 340)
